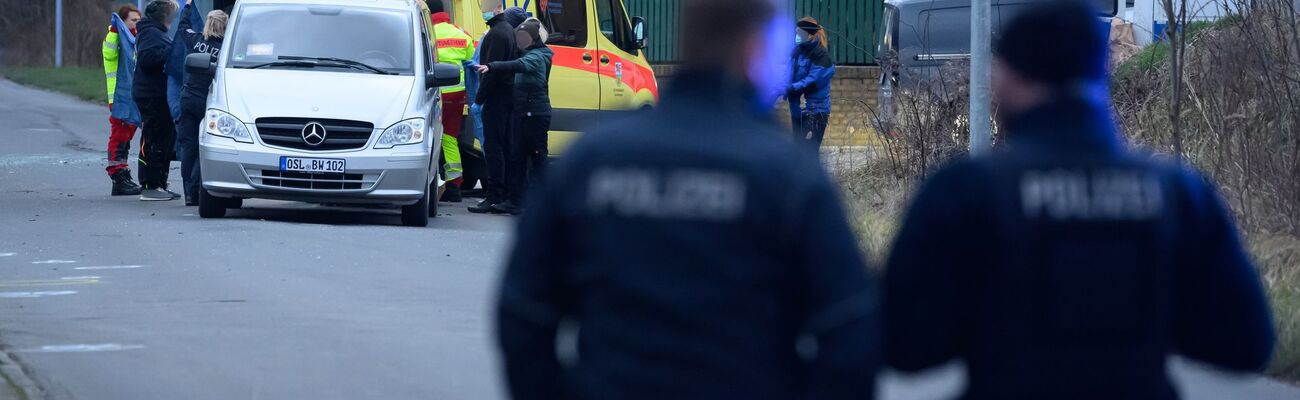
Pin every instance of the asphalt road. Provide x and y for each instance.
(110, 298)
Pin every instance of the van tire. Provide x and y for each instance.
(417, 214)
(211, 206)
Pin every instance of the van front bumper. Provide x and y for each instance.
(398, 176)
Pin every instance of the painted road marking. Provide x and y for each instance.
(82, 348)
(43, 130)
(8, 254)
(77, 278)
(32, 295)
(48, 282)
(54, 262)
(99, 267)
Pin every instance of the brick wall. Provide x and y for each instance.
(853, 97)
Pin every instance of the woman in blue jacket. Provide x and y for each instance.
(810, 81)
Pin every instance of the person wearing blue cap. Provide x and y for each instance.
(1064, 265)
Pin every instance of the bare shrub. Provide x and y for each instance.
(28, 32)
(1241, 116)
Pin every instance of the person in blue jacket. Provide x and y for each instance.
(810, 81)
(696, 253)
(1065, 266)
(158, 130)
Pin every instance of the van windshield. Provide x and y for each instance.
(357, 39)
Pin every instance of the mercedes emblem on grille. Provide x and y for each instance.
(313, 134)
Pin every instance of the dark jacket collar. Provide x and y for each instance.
(149, 24)
(1069, 123)
(713, 89)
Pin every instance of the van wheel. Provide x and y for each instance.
(211, 206)
(417, 214)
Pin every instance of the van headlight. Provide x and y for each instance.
(221, 123)
(410, 131)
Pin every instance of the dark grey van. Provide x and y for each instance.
(921, 36)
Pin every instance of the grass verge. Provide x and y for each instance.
(84, 83)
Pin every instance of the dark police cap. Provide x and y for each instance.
(1056, 42)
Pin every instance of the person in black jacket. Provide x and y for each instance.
(694, 250)
(158, 131)
(194, 97)
(496, 95)
(1066, 266)
(532, 112)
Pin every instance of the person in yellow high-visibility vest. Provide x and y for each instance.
(121, 132)
(454, 47)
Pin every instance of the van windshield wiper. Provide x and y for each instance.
(304, 64)
(342, 61)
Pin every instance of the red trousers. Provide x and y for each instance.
(119, 143)
(453, 117)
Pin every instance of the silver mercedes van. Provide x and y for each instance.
(324, 101)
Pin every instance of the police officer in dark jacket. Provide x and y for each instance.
(194, 97)
(1066, 266)
(496, 95)
(158, 131)
(676, 246)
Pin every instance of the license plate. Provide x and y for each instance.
(315, 165)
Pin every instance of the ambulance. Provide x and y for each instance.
(599, 70)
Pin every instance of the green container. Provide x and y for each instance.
(851, 26)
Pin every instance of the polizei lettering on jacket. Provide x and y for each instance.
(1064, 194)
(680, 194)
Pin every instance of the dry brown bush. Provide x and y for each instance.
(28, 31)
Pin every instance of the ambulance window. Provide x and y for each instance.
(614, 24)
(606, 18)
(566, 20)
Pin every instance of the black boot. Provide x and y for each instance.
(123, 185)
(485, 207)
(452, 195)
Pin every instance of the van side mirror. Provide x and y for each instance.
(638, 32)
(200, 63)
(443, 75)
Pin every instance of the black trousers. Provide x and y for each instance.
(812, 129)
(157, 141)
(188, 140)
(529, 157)
(498, 140)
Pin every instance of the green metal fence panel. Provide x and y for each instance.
(851, 26)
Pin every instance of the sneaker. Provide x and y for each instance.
(174, 194)
(123, 185)
(484, 207)
(507, 207)
(452, 195)
(156, 195)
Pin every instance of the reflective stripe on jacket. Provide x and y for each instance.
(454, 47)
(110, 61)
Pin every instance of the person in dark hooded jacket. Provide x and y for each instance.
(195, 95)
(158, 131)
(532, 112)
(496, 96)
(1066, 266)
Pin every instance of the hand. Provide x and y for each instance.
(188, 2)
(482, 69)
